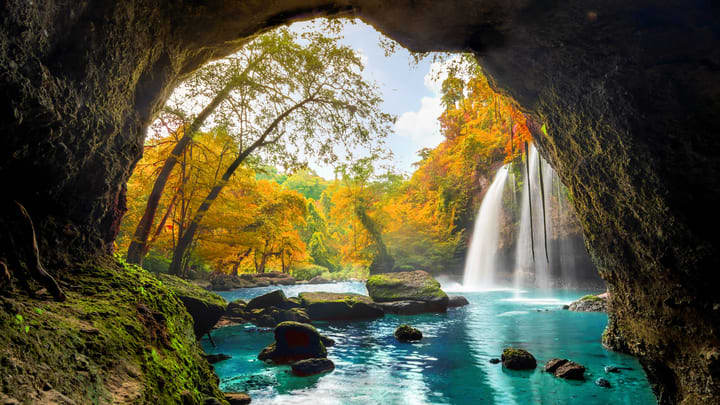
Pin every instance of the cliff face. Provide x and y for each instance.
(628, 91)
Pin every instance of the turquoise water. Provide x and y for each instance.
(451, 364)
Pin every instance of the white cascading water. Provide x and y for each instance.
(480, 263)
(527, 264)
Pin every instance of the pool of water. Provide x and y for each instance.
(450, 365)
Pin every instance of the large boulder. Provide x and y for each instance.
(274, 299)
(407, 307)
(518, 359)
(304, 368)
(319, 280)
(457, 301)
(325, 306)
(205, 307)
(408, 286)
(237, 398)
(294, 341)
(590, 303)
(566, 369)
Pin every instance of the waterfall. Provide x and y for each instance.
(480, 263)
(528, 269)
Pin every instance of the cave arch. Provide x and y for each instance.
(629, 92)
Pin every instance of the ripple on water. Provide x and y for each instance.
(449, 366)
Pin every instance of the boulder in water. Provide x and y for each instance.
(406, 333)
(590, 303)
(408, 307)
(325, 306)
(518, 359)
(304, 368)
(274, 299)
(455, 301)
(566, 369)
(319, 280)
(294, 341)
(408, 286)
(494, 360)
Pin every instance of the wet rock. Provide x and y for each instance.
(612, 369)
(455, 301)
(566, 369)
(589, 303)
(319, 280)
(494, 361)
(566, 307)
(236, 308)
(603, 383)
(294, 341)
(275, 299)
(216, 358)
(324, 306)
(205, 307)
(408, 307)
(406, 333)
(408, 286)
(518, 359)
(328, 342)
(304, 368)
(237, 398)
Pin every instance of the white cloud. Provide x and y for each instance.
(422, 126)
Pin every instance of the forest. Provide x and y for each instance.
(208, 197)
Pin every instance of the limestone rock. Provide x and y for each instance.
(518, 359)
(237, 398)
(294, 341)
(304, 368)
(455, 301)
(566, 369)
(589, 303)
(406, 333)
(324, 306)
(205, 307)
(408, 286)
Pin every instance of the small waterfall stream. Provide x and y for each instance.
(480, 263)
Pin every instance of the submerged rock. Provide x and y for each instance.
(590, 303)
(408, 286)
(216, 358)
(406, 333)
(407, 307)
(518, 359)
(304, 368)
(294, 341)
(455, 301)
(494, 361)
(325, 306)
(205, 307)
(603, 383)
(566, 369)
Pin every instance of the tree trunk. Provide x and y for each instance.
(138, 246)
(189, 234)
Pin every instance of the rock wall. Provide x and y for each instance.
(629, 92)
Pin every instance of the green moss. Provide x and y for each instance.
(310, 298)
(591, 298)
(120, 334)
(184, 287)
(404, 286)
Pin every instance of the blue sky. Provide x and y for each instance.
(408, 92)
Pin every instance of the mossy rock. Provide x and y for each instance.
(294, 341)
(407, 286)
(325, 306)
(206, 308)
(121, 336)
(589, 303)
(518, 359)
(406, 333)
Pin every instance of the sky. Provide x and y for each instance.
(408, 90)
